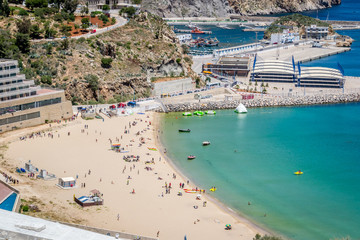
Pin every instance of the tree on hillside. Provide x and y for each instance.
(8, 49)
(85, 23)
(24, 26)
(4, 8)
(23, 42)
(129, 11)
(36, 4)
(16, 1)
(70, 6)
(35, 31)
(56, 3)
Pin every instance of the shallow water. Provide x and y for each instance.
(253, 157)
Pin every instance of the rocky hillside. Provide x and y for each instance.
(260, 7)
(112, 66)
(222, 8)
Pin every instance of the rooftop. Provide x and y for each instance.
(20, 226)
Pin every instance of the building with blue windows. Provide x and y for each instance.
(22, 104)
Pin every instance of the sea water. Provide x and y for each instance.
(252, 159)
(350, 61)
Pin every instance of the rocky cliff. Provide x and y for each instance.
(222, 8)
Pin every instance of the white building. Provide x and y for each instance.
(183, 38)
(316, 32)
(285, 37)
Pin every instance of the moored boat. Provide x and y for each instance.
(298, 173)
(241, 109)
(187, 114)
(196, 30)
(205, 143)
(184, 130)
(191, 157)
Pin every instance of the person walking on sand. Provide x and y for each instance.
(158, 233)
(118, 216)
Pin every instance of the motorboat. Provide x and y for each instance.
(191, 157)
(187, 114)
(196, 30)
(298, 173)
(210, 112)
(241, 109)
(184, 130)
(205, 143)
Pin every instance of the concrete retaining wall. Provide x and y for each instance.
(173, 86)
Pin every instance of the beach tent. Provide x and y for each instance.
(67, 182)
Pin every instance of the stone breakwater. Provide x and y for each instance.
(264, 102)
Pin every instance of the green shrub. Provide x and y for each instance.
(46, 80)
(113, 21)
(23, 12)
(178, 60)
(25, 208)
(58, 17)
(106, 7)
(106, 62)
(39, 12)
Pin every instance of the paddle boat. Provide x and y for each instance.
(213, 189)
(191, 157)
(241, 109)
(205, 143)
(199, 113)
(298, 173)
(187, 114)
(184, 130)
(210, 112)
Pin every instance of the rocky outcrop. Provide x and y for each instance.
(260, 7)
(222, 8)
(188, 8)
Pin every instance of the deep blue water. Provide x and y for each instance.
(253, 157)
(350, 61)
(348, 10)
(8, 204)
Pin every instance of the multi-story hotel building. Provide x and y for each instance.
(22, 104)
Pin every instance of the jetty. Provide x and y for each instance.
(189, 31)
(254, 29)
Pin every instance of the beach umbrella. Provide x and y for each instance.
(199, 195)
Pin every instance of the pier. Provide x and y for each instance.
(254, 29)
(236, 50)
(189, 31)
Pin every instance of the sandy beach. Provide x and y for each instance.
(71, 150)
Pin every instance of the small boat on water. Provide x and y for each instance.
(212, 42)
(205, 143)
(184, 130)
(199, 113)
(191, 157)
(210, 112)
(298, 173)
(196, 30)
(213, 189)
(241, 109)
(187, 114)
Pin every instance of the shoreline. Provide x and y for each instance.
(218, 203)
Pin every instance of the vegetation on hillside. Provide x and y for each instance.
(110, 67)
(293, 20)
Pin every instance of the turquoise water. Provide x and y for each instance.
(252, 158)
(8, 204)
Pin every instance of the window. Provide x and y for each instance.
(19, 118)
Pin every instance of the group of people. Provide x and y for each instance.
(9, 178)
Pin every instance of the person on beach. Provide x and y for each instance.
(118, 216)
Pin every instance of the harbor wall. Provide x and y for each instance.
(265, 102)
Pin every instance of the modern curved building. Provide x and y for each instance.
(320, 77)
(273, 71)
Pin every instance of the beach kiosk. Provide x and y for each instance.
(67, 182)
